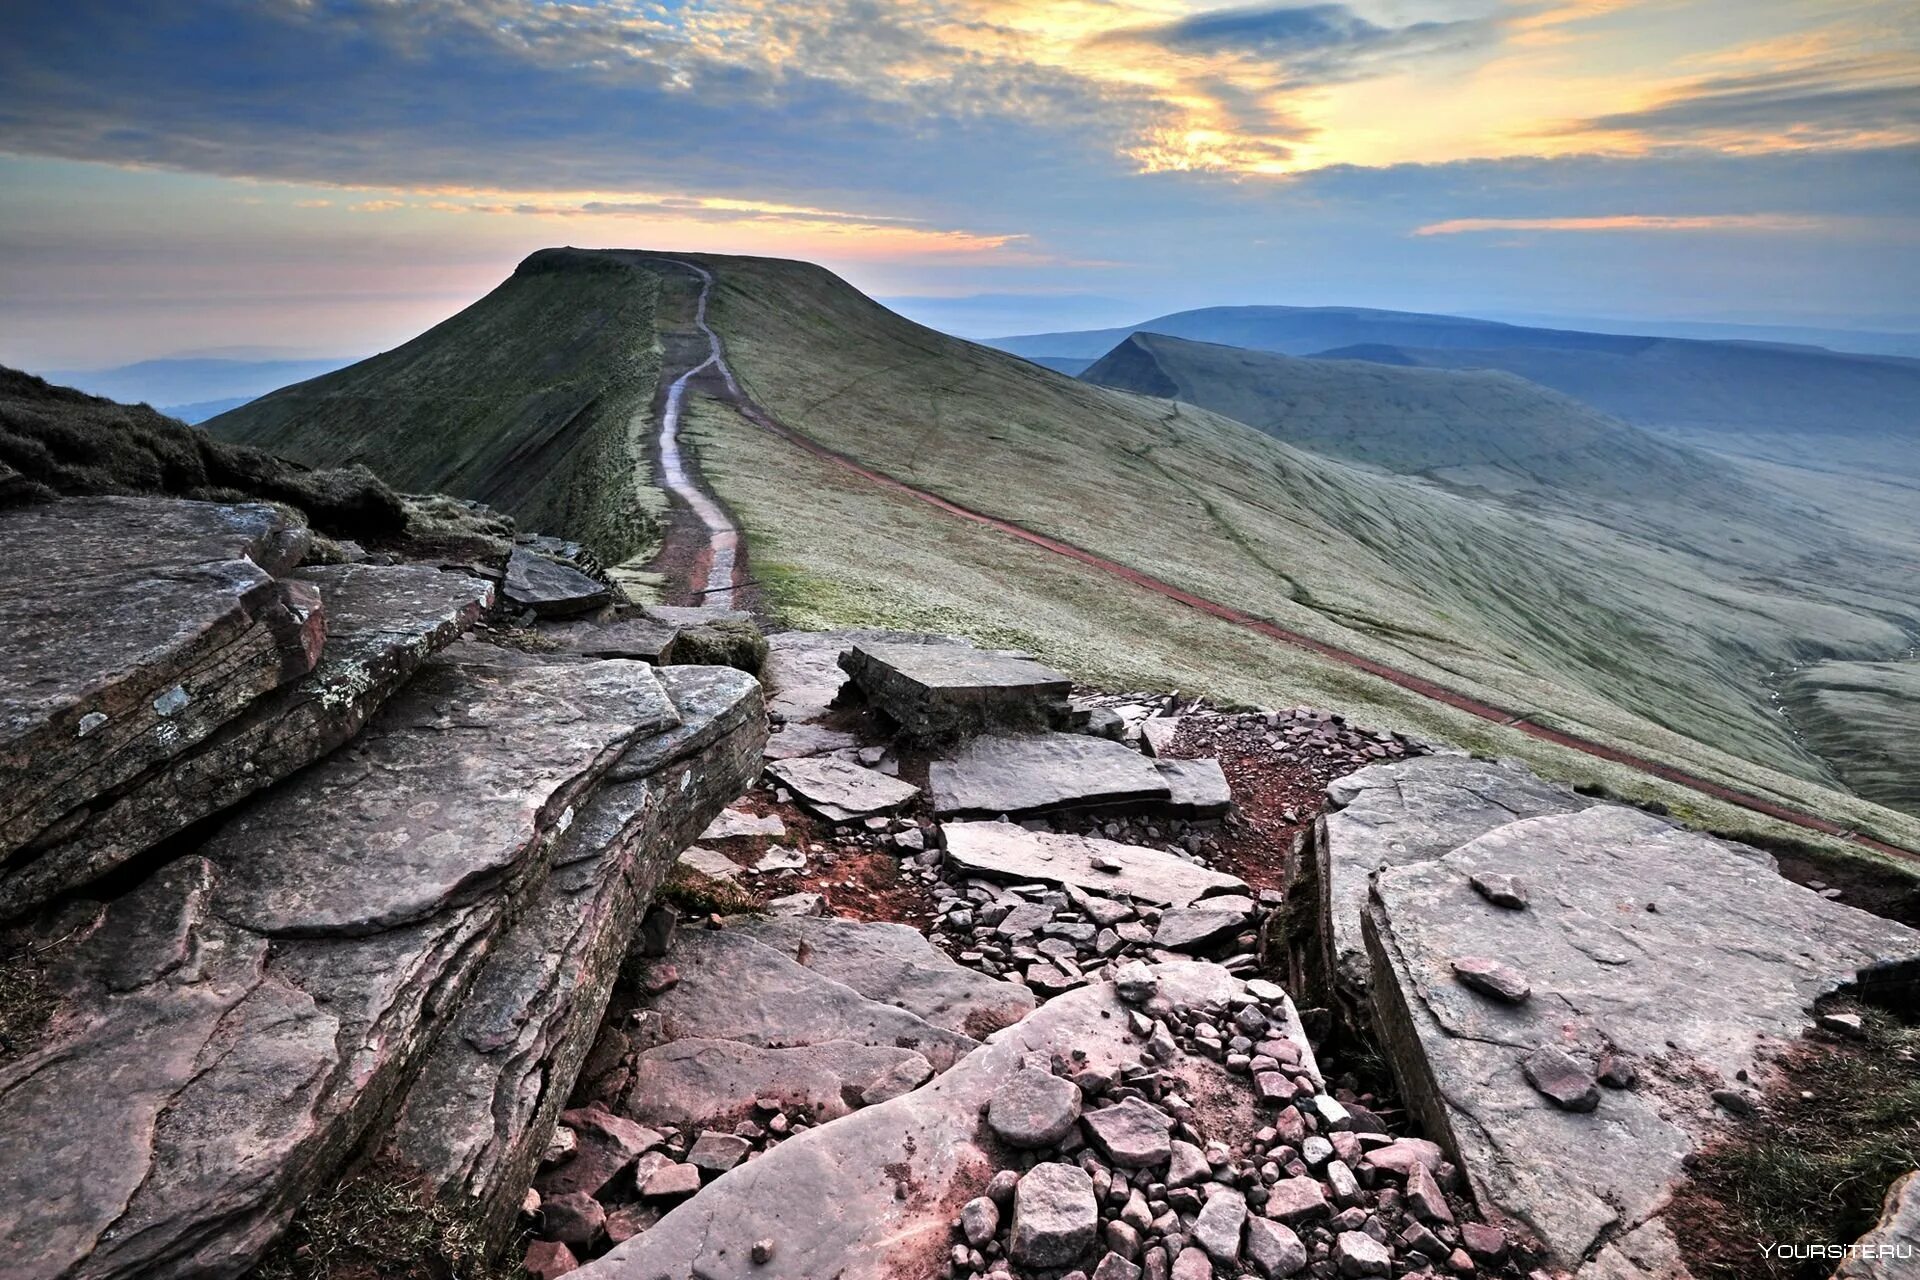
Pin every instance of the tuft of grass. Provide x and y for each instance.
(379, 1227)
(1815, 1166)
(690, 891)
(26, 1005)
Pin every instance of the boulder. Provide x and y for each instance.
(237, 1021)
(938, 692)
(1033, 1108)
(1389, 815)
(1005, 851)
(1132, 1133)
(476, 1119)
(1038, 773)
(873, 1195)
(135, 628)
(382, 622)
(1640, 939)
(839, 790)
(550, 588)
(1055, 1217)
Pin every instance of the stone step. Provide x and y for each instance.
(477, 1119)
(232, 1027)
(382, 623)
(1018, 776)
(1661, 961)
(135, 628)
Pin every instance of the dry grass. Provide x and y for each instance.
(374, 1227)
(1812, 1169)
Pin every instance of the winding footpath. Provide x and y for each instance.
(751, 410)
(723, 536)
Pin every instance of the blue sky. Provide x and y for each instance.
(332, 176)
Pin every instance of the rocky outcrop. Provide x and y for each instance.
(1650, 967)
(550, 587)
(134, 628)
(475, 1123)
(937, 692)
(232, 1027)
(1389, 815)
(381, 623)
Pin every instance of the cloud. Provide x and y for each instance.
(375, 206)
(1852, 101)
(1630, 222)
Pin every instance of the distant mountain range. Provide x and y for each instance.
(192, 389)
(1805, 405)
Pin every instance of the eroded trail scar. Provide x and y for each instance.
(723, 536)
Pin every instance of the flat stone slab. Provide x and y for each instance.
(235, 1024)
(1004, 851)
(1679, 950)
(739, 824)
(1196, 788)
(131, 629)
(1410, 811)
(642, 639)
(733, 987)
(896, 965)
(711, 864)
(549, 588)
(714, 1084)
(382, 623)
(944, 691)
(872, 1196)
(1037, 773)
(478, 1117)
(839, 790)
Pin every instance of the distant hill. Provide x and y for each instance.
(174, 385)
(1476, 430)
(1770, 400)
(526, 401)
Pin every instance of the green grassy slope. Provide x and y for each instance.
(525, 400)
(1862, 715)
(1629, 640)
(1481, 430)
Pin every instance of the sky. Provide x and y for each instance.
(330, 177)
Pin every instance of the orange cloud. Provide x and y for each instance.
(1631, 222)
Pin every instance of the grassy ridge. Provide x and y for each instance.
(1618, 636)
(523, 400)
(852, 554)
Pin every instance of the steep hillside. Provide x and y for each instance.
(1658, 648)
(1761, 398)
(1787, 403)
(1473, 430)
(1862, 714)
(533, 400)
